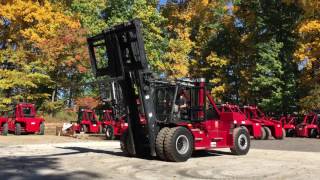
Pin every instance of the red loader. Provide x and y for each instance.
(23, 119)
(87, 122)
(289, 125)
(271, 127)
(112, 127)
(309, 126)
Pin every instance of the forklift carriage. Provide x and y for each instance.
(173, 127)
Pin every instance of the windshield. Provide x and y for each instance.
(27, 112)
(164, 97)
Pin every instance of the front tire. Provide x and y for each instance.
(5, 129)
(126, 145)
(160, 143)
(313, 133)
(178, 144)
(241, 142)
(17, 129)
(84, 128)
(109, 133)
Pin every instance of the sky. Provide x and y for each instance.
(163, 1)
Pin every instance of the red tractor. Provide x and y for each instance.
(4, 125)
(289, 124)
(180, 116)
(254, 128)
(112, 127)
(270, 126)
(23, 119)
(87, 122)
(309, 126)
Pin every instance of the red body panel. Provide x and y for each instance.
(240, 119)
(29, 123)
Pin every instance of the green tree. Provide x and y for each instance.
(152, 20)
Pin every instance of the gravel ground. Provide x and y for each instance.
(50, 157)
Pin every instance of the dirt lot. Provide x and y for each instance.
(50, 157)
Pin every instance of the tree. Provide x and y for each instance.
(24, 24)
(155, 41)
(266, 84)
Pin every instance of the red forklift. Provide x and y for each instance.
(87, 122)
(254, 128)
(113, 128)
(309, 126)
(272, 127)
(174, 127)
(4, 124)
(289, 124)
(23, 119)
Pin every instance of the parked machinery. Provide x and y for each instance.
(180, 116)
(113, 127)
(289, 124)
(4, 124)
(87, 122)
(240, 120)
(309, 127)
(271, 127)
(23, 119)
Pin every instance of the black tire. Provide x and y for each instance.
(290, 133)
(17, 130)
(5, 129)
(125, 144)
(109, 133)
(178, 144)
(160, 143)
(42, 128)
(241, 142)
(313, 133)
(84, 128)
(268, 133)
(263, 134)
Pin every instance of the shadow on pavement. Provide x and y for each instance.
(34, 167)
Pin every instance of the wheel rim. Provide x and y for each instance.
(182, 144)
(243, 142)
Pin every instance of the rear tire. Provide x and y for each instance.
(241, 142)
(42, 128)
(268, 133)
(5, 129)
(160, 143)
(109, 133)
(125, 144)
(178, 144)
(17, 130)
(313, 133)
